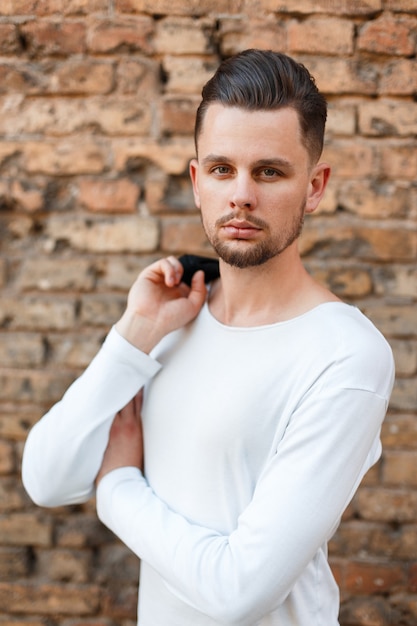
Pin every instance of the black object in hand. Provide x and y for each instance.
(192, 263)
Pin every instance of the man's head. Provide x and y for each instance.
(267, 80)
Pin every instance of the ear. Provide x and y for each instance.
(193, 169)
(320, 175)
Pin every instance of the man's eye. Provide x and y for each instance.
(220, 169)
(268, 172)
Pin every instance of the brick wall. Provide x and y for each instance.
(97, 99)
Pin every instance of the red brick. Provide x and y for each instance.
(81, 530)
(405, 353)
(29, 198)
(109, 196)
(93, 621)
(179, 236)
(347, 239)
(346, 283)
(187, 75)
(65, 116)
(374, 577)
(9, 39)
(375, 200)
(185, 35)
(38, 312)
(2, 272)
(21, 529)
(138, 76)
(101, 309)
(351, 158)
(342, 75)
(366, 611)
(131, 35)
(169, 194)
(52, 273)
(36, 387)
(64, 157)
(239, 33)
(110, 234)
(179, 7)
(58, 564)
(383, 504)
(388, 35)
(51, 7)
(49, 599)
(400, 468)
(14, 563)
(388, 118)
(171, 156)
(117, 562)
(178, 114)
(21, 350)
(338, 7)
(8, 150)
(55, 38)
(398, 77)
(16, 420)
(361, 539)
(12, 495)
(76, 351)
(329, 35)
(404, 396)
(80, 76)
(396, 280)
(401, 5)
(341, 120)
(399, 431)
(120, 272)
(67, 76)
(19, 78)
(17, 7)
(392, 319)
(7, 464)
(120, 601)
(351, 538)
(398, 160)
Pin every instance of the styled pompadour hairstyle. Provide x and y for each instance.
(268, 80)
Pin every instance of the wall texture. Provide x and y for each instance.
(97, 100)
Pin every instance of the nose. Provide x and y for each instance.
(243, 194)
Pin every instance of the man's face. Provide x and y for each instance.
(253, 182)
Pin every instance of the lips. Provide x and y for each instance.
(240, 229)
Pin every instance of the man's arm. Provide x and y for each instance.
(332, 440)
(64, 450)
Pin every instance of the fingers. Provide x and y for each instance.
(198, 290)
(172, 270)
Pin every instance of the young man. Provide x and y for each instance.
(261, 398)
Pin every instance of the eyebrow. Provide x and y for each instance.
(272, 162)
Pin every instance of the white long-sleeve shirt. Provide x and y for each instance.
(255, 442)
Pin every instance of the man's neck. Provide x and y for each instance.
(276, 291)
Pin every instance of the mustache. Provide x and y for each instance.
(251, 219)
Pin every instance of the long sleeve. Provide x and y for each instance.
(236, 578)
(63, 452)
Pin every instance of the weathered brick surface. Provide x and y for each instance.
(97, 102)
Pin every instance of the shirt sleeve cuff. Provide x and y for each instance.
(122, 350)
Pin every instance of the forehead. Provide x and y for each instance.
(261, 133)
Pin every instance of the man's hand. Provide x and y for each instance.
(159, 303)
(125, 445)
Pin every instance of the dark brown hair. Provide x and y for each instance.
(267, 80)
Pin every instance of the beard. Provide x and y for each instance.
(249, 253)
